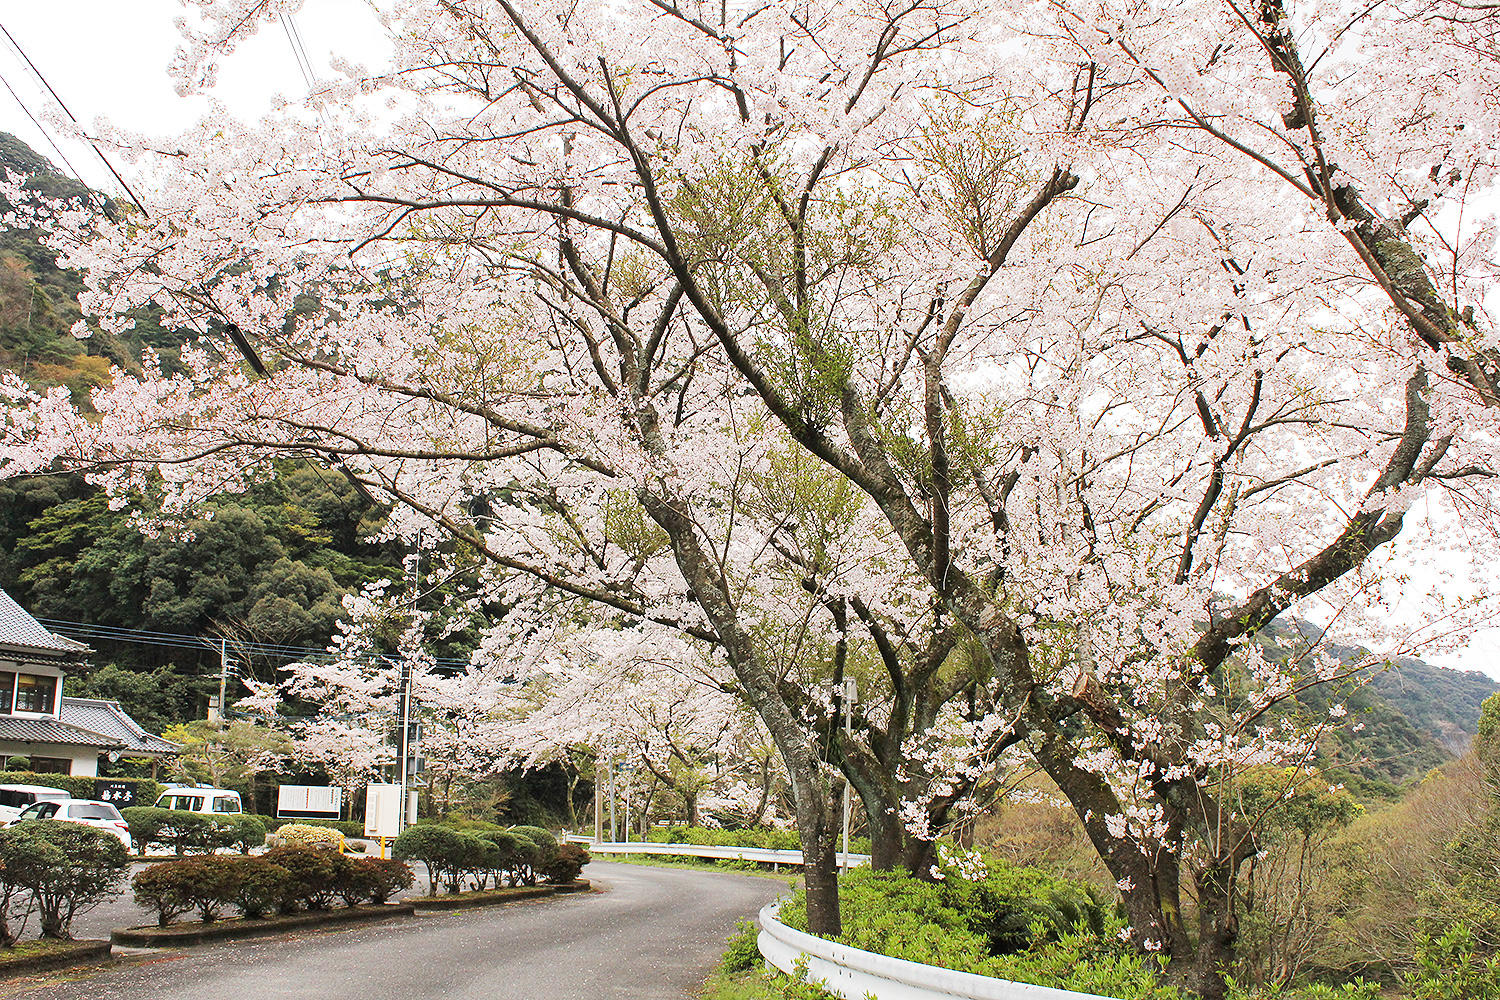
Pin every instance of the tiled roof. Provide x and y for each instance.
(109, 719)
(19, 630)
(48, 730)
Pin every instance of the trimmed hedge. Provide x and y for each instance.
(283, 880)
(80, 787)
(348, 828)
(63, 869)
(192, 833)
(519, 856)
(304, 835)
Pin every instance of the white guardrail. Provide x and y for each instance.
(855, 974)
(762, 854)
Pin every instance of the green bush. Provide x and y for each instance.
(260, 885)
(163, 890)
(743, 952)
(348, 828)
(314, 876)
(248, 831)
(437, 847)
(67, 868)
(1450, 967)
(385, 877)
(186, 833)
(253, 885)
(514, 854)
(147, 790)
(763, 837)
(566, 864)
(306, 835)
(1012, 924)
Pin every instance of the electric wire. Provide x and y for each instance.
(99, 152)
(181, 640)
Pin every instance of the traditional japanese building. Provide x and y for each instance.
(57, 734)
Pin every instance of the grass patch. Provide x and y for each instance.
(44, 953)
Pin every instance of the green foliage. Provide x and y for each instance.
(743, 953)
(260, 885)
(1016, 923)
(762, 837)
(77, 786)
(1449, 967)
(314, 875)
(385, 877)
(566, 864)
(163, 890)
(206, 884)
(435, 846)
(545, 842)
(67, 868)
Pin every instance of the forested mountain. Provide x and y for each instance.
(270, 566)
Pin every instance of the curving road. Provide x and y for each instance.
(653, 934)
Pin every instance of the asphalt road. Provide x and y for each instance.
(652, 934)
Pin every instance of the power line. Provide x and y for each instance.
(99, 152)
(45, 134)
(181, 640)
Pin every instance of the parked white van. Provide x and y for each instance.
(14, 798)
(211, 801)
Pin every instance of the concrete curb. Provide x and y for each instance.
(487, 897)
(81, 953)
(235, 928)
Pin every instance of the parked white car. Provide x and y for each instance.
(89, 812)
(14, 798)
(209, 801)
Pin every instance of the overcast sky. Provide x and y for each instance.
(109, 58)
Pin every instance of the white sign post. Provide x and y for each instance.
(383, 812)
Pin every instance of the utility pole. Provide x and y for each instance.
(850, 692)
(223, 674)
(598, 799)
(403, 759)
(614, 828)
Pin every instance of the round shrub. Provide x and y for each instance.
(434, 846)
(260, 885)
(68, 868)
(164, 890)
(313, 876)
(543, 839)
(306, 835)
(247, 831)
(513, 854)
(386, 877)
(146, 823)
(566, 864)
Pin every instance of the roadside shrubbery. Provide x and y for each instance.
(307, 835)
(283, 880)
(56, 870)
(522, 855)
(1013, 923)
(185, 833)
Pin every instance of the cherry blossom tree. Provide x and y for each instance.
(1125, 329)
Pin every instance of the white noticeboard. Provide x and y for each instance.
(382, 810)
(309, 802)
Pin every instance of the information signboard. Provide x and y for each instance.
(309, 802)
